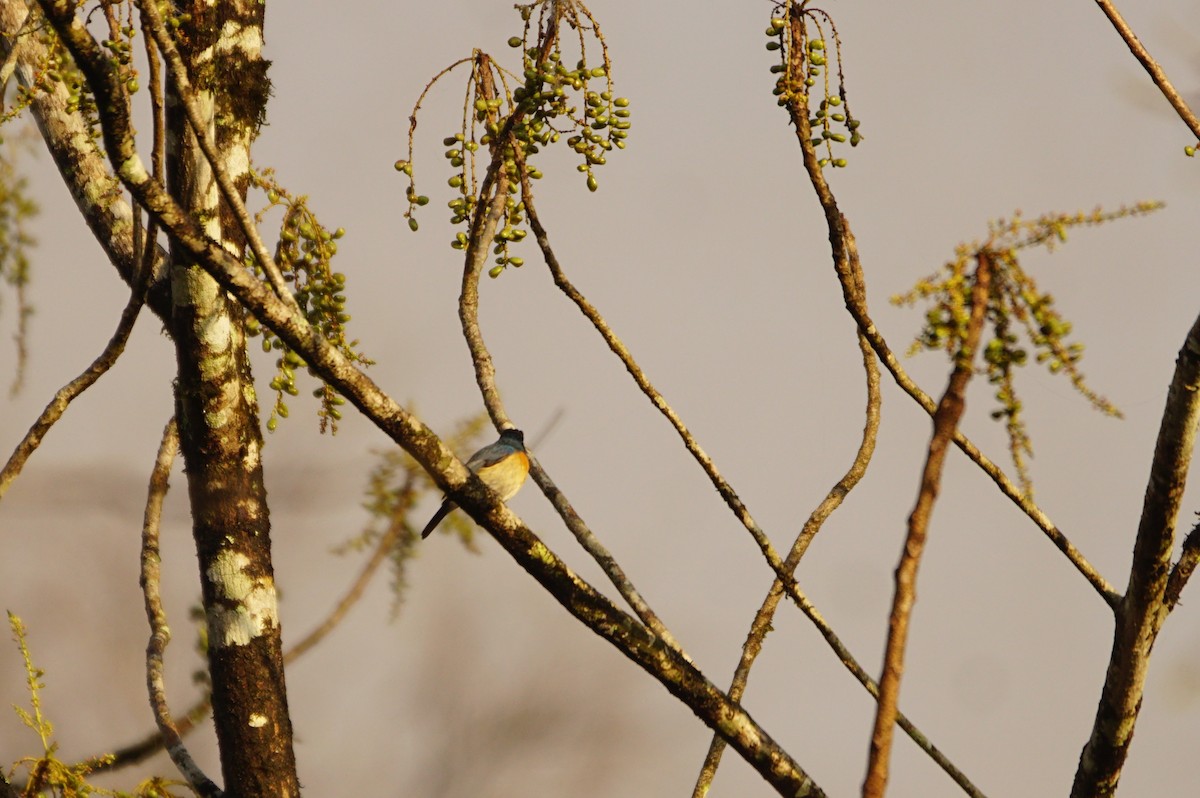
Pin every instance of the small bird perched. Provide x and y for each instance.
(502, 466)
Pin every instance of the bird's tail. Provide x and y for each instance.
(443, 511)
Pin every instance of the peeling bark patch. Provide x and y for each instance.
(247, 606)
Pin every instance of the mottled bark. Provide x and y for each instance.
(1145, 606)
(220, 435)
(80, 159)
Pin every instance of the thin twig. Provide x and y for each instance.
(587, 539)
(486, 220)
(762, 623)
(850, 275)
(945, 420)
(69, 392)
(1151, 66)
(160, 633)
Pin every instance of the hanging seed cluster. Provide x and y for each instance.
(303, 254)
(804, 66)
(551, 102)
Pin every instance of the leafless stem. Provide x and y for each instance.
(761, 625)
(850, 275)
(945, 420)
(1151, 66)
(67, 394)
(160, 633)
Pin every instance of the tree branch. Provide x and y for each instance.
(233, 198)
(1145, 605)
(160, 633)
(762, 623)
(1151, 66)
(945, 420)
(69, 392)
(680, 677)
(850, 275)
(79, 160)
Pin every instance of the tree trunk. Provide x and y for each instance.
(219, 430)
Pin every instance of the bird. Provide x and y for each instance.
(502, 466)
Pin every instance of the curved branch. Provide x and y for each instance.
(850, 276)
(762, 623)
(484, 223)
(160, 633)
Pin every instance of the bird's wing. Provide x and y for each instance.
(490, 456)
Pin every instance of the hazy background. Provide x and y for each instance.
(706, 251)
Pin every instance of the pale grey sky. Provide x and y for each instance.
(706, 251)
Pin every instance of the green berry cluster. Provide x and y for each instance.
(514, 125)
(803, 64)
(120, 58)
(303, 254)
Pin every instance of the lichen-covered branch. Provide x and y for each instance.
(1145, 605)
(160, 632)
(79, 159)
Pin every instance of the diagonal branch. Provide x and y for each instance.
(761, 625)
(486, 219)
(1151, 66)
(850, 275)
(69, 392)
(945, 420)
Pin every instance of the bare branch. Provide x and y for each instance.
(1151, 66)
(1145, 605)
(160, 633)
(68, 393)
(945, 420)
(762, 623)
(484, 223)
(850, 275)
